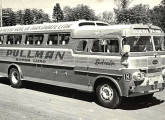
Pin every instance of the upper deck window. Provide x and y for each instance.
(102, 24)
(14, 39)
(34, 39)
(1, 40)
(139, 44)
(87, 24)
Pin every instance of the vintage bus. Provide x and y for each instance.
(111, 61)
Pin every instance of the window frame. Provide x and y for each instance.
(33, 39)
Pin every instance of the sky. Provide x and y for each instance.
(47, 5)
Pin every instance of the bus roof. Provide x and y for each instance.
(50, 26)
(83, 29)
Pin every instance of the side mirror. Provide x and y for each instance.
(126, 48)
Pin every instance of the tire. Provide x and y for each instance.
(14, 77)
(107, 95)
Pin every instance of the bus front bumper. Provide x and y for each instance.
(147, 89)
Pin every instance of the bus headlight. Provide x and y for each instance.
(138, 76)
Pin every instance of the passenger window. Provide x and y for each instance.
(52, 39)
(107, 45)
(34, 39)
(38, 39)
(97, 46)
(112, 46)
(10, 40)
(64, 39)
(17, 39)
(81, 45)
(29, 40)
(1, 40)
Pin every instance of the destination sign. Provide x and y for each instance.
(36, 27)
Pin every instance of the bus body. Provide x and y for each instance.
(112, 61)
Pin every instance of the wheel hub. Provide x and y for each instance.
(14, 77)
(106, 93)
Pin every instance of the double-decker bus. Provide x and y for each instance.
(111, 61)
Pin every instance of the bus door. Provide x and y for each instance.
(81, 62)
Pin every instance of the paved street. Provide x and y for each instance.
(45, 102)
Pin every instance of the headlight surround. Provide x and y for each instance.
(138, 76)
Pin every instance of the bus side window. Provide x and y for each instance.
(1, 40)
(38, 39)
(64, 39)
(29, 40)
(17, 39)
(52, 39)
(81, 45)
(113, 46)
(10, 39)
(96, 46)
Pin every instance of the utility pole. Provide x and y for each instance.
(1, 12)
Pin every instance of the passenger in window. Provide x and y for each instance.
(27, 42)
(66, 39)
(1, 42)
(95, 47)
(113, 46)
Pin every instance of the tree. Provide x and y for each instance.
(28, 17)
(163, 2)
(39, 16)
(57, 13)
(136, 14)
(79, 12)
(157, 15)
(19, 17)
(122, 4)
(9, 17)
(68, 13)
(107, 17)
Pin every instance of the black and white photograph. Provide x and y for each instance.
(82, 60)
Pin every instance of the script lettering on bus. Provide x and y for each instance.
(103, 62)
(36, 28)
(35, 56)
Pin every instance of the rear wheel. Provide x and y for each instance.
(107, 95)
(15, 79)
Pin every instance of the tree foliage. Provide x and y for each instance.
(9, 17)
(107, 16)
(136, 14)
(122, 4)
(57, 13)
(28, 18)
(157, 15)
(79, 12)
(39, 16)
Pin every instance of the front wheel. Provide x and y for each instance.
(15, 79)
(107, 95)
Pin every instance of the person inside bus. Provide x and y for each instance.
(113, 46)
(96, 46)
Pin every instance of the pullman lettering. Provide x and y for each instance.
(36, 54)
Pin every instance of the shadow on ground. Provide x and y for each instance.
(127, 103)
(136, 103)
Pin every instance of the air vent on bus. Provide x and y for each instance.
(87, 24)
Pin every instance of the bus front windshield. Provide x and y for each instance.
(139, 43)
